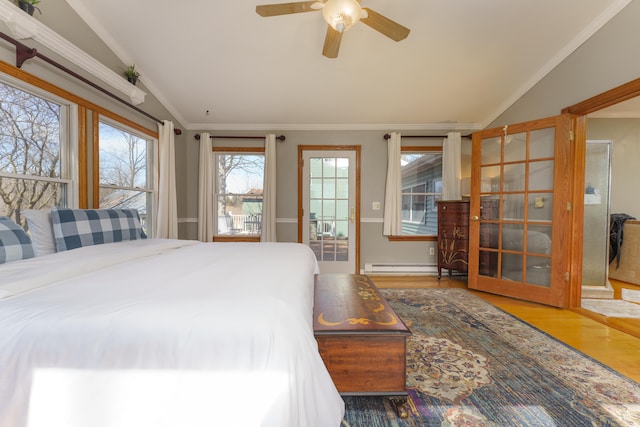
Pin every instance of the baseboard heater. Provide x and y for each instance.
(398, 268)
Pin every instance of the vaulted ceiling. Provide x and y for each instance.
(219, 65)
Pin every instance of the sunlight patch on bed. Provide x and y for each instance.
(155, 398)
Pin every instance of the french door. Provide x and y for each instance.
(328, 214)
(520, 225)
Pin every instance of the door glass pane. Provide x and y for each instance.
(515, 149)
(540, 207)
(512, 267)
(342, 229)
(541, 175)
(342, 168)
(542, 143)
(514, 177)
(315, 167)
(490, 208)
(488, 264)
(329, 188)
(513, 207)
(539, 270)
(315, 189)
(342, 188)
(342, 209)
(329, 167)
(512, 237)
(489, 236)
(490, 178)
(491, 150)
(539, 239)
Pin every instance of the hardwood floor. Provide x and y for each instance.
(613, 342)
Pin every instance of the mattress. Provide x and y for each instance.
(163, 333)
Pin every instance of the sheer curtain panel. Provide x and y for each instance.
(166, 217)
(269, 191)
(206, 189)
(451, 154)
(393, 192)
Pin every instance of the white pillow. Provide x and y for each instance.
(41, 231)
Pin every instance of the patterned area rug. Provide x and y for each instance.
(471, 364)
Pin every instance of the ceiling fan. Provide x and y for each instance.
(340, 15)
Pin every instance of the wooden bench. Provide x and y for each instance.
(361, 339)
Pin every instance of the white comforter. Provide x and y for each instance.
(163, 333)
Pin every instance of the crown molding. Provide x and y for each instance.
(435, 127)
(23, 26)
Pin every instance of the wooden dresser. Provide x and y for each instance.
(361, 339)
(453, 236)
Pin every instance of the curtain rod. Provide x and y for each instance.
(24, 52)
(280, 138)
(387, 136)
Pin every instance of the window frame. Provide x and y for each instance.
(417, 237)
(70, 159)
(231, 150)
(82, 132)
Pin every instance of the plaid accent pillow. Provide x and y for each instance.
(14, 242)
(74, 228)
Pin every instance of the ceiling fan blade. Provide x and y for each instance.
(386, 26)
(331, 43)
(286, 8)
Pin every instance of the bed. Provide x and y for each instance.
(153, 332)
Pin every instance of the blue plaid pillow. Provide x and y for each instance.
(14, 242)
(74, 228)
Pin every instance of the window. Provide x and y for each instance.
(35, 149)
(421, 187)
(126, 172)
(239, 185)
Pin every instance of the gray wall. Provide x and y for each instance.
(374, 247)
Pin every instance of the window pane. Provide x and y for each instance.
(124, 169)
(123, 158)
(240, 178)
(30, 145)
(29, 194)
(421, 187)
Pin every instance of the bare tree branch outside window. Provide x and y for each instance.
(30, 147)
(124, 181)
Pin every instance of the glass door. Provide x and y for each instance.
(329, 209)
(595, 255)
(520, 211)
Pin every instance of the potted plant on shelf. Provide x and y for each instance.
(132, 74)
(28, 6)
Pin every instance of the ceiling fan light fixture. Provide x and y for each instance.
(341, 14)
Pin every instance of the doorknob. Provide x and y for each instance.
(474, 218)
(352, 217)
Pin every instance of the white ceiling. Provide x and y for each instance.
(464, 62)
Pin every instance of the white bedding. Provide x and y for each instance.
(163, 333)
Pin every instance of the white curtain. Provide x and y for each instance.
(206, 189)
(393, 191)
(451, 155)
(269, 191)
(166, 215)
